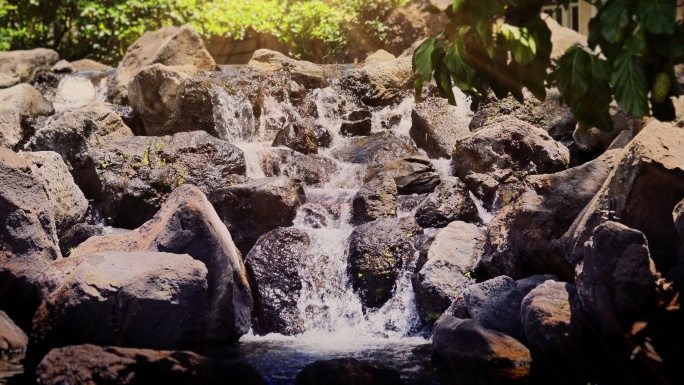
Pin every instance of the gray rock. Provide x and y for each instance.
(595, 141)
(307, 74)
(63, 66)
(22, 66)
(12, 338)
(380, 83)
(414, 175)
(376, 199)
(379, 148)
(313, 170)
(437, 125)
(17, 104)
(299, 136)
(449, 202)
(89, 65)
(80, 232)
(344, 371)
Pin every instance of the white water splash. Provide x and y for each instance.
(234, 116)
(485, 215)
(253, 153)
(74, 92)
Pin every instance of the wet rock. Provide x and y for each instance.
(376, 254)
(299, 136)
(414, 175)
(323, 136)
(523, 236)
(616, 280)
(69, 206)
(410, 23)
(305, 73)
(437, 125)
(252, 209)
(22, 66)
(273, 268)
(376, 199)
(645, 185)
(90, 364)
(378, 56)
(347, 371)
(28, 237)
(186, 224)
(73, 133)
(169, 46)
(133, 176)
(382, 83)
(449, 202)
(505, 147)
(313, 170)
(12, 338)
(17, 104)
(89, 65)
(446, 269)
(465, 349)
(358, 124)
(379, 148)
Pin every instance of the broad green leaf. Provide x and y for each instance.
(443, 79)
(572, 74)
(614, 16)
(422, 65)
(629, 82)
(520, 42)
(658, 16)
(636, 43)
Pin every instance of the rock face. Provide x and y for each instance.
(445, 270)
(523, 237)
(252, 209)
(90, 364)
(133, 176)
(69, 206)
(436, 126)
(345, 371)
(12, 338)
(299, 136)
(381, 83)
(467, 350)
(410, 23)
(22, 66)
(17, 104)
(187, 224)
(170, 46)
(449, 202)
(505, 147)
(377, 252)
(378, 148)
(616, 280)
(645, 185)
(273, 270)
(313, 170)
(169, 100)
(28, 237)
(414, 175)
(376, 199)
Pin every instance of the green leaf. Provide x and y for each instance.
(629, 82)
(614, 16)
(572, 74)
(443, 79)
(636, 43)
(658, 16)
(422, 65)
(520, 42)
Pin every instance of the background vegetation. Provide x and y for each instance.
(103, 29)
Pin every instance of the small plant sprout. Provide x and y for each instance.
(159, 147)
(104, 164)
(393, 212)
(360, 275)
(468, 274)
(71, 250)
(146, 157)
(409, 235)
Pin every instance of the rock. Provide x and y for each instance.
(506, 146)
(446, 269)
(90, 364)
(252, 209)
(376, 199)
(186, 224)
(12, 338)
(563, 38)
(302, 72)
(28, 238)
(495, 303)
(524, 235)
(313, 170)
(378, 56)
(273, 269)
(380, 84)
(616, 281)
(169, 46)
(376, 254)
(22, 66)
(17, 104)
(79, 233)
(414, 175)
(437, 125)
(449, 202)
(379, 148)
(469, 351)
(73, 133)
(678, 218)
(89, 65)
(357, 128)
(645, 185)
(299, 136)
(595, 141)
(323, 136)
(410, 23)
(134, 175)
(63, 66)
(69, 206)
(347, 371)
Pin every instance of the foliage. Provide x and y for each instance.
(505, 45)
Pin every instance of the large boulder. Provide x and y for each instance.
(446, 270)
(616, 281)
(69, 205)
(524, 234)
(305, 73)
(22, 66)
(313, 170)
(12, 339)
(273, 269)
(376, 254)
(299, 136)
(376, 199)
(28, 238)
(252, 209)
(449, 202)
(437, 125)
(170, 46)
(380, 83)
(643, 188)
(414, 175)
(505, 148)
(347, 371)
(90, 364)
(17, 104)
(133, 176)
(185, 224)
(379, 148)
(410, 23)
